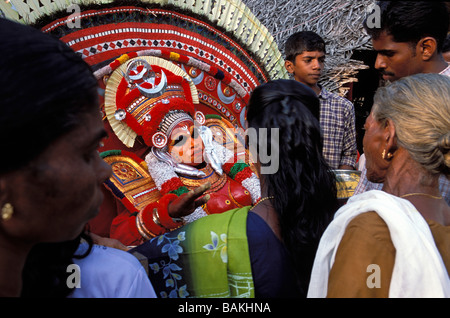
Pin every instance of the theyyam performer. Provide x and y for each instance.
(153, 99)
(174, 81)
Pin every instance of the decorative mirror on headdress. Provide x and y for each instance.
(140, 75)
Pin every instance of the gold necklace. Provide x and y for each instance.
(261, 200)
(424, 194)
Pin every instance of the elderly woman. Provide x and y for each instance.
(395, 242)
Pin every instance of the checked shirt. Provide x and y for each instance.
(337, 121)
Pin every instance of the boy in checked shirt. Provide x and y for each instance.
(305, 56)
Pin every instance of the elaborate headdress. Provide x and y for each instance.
(147, 97)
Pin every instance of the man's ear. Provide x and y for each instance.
(289, 66)
(427, 47)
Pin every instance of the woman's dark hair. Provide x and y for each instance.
(304, 187)
(45, 271)
(410, 21)
(44, 87)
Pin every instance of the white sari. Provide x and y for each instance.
(419, 270)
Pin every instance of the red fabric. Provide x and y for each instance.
(243, 174)
(123, 228)
(227, 167)
(171, 185)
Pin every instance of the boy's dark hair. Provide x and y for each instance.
(302, 41)
(408, 21)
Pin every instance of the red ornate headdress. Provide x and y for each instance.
(147, 96)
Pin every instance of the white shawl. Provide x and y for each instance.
(418, 269)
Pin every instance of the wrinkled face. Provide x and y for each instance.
(185, 144)
(308, 67)
(374, 143)
(58, 192)
(395, 59)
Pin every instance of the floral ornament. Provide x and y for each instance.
(172, 248)
(215, 246)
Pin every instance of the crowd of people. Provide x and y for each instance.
(223, 226)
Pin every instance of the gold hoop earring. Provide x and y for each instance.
(7, 212)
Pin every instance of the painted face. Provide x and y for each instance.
(185, 144)
(308, 67)
(395, 59)
(59, 191)
(374, 143)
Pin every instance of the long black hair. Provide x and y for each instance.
(304, 187)
(44, 87)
